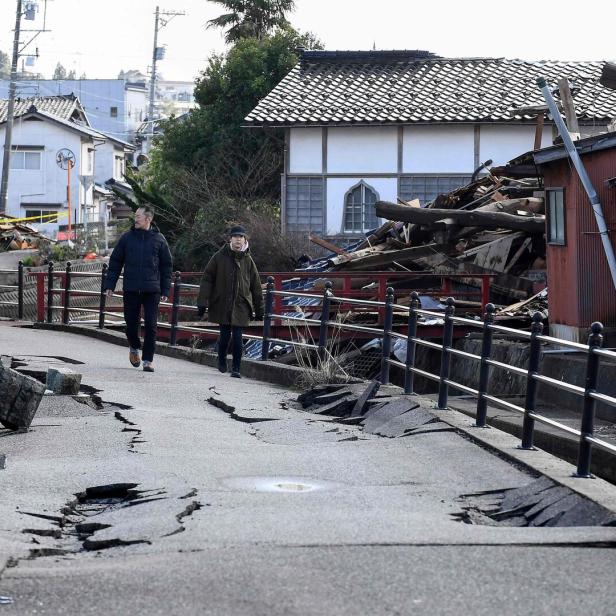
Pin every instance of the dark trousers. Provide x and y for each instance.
(228, 332)
(133, 300)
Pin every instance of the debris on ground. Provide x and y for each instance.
(20, 236)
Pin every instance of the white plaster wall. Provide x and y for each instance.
(47, 185)
(104, 162)
(136, 111)
(438, 149)
(362, 149)
(502, 143)
(386, 189)
(305, 150)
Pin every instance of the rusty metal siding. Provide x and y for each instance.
(580, 285)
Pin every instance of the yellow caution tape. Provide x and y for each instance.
(56, 215)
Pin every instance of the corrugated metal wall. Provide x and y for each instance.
(580, 285)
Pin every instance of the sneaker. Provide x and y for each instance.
(147, 366)
(236, 375)
(222, 367)
(134, 358)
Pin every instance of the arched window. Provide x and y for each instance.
(359, 211)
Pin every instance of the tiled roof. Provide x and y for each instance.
(62, 107)
(398, 87)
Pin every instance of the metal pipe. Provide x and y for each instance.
(579, 166)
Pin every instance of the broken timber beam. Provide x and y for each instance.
(473, 218)
(325, 244)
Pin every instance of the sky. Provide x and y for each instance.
(102, 37)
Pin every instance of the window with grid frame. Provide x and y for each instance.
(41, 216)
(359, 211)
(427, 187)
(27, 161)
(555, 201)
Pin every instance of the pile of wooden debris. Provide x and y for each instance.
(19, 236)
(494, 225)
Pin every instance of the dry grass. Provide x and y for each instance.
(319, 369)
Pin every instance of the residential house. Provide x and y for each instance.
(46, 132)
(367, 125)
(115, 107)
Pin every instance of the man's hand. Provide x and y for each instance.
(163, 298)
(109, 293)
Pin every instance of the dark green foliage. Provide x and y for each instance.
(251, 18)
(242, 162)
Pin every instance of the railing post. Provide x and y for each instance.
(588, 415)
(175, 309)
(267, 318)
(103, 298)
(66, 295)
(443, 387)
(485, 291)
(50, 292)
(411, 345)
(389, 318)
(531, 384)
(20, 290)
(324, 327)
(484, 370)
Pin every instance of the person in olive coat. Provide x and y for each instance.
(230, 292)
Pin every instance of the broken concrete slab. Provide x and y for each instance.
(339, 408)
(362, 402)
(63, 381)
(307, 398)
(20, 396)
(517, 496)
(331, 397)
(405, 424)
(378, 415)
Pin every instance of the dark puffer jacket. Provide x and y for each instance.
(231, 287)
(146, 260)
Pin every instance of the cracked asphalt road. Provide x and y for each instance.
(296, 515)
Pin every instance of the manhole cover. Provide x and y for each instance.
(278, 484)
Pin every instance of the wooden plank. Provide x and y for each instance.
(516, 257)
(539, 131)
(569, 107)
(325, 244)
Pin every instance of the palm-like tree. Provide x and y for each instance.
(251, 18)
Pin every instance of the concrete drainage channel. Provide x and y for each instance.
(83, 524)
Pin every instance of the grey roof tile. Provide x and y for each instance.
(391, 87)
(62, 107)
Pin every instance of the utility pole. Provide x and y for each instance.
(8, 131)
(161, 19)
(30, 11)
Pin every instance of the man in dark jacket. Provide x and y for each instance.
(144, 254)
(231, 290)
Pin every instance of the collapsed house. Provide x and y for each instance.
(20, 236)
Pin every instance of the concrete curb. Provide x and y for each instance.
(268, 372)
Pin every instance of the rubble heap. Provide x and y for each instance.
(19, 236)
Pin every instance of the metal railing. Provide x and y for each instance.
(326, 303)
(19, 287)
